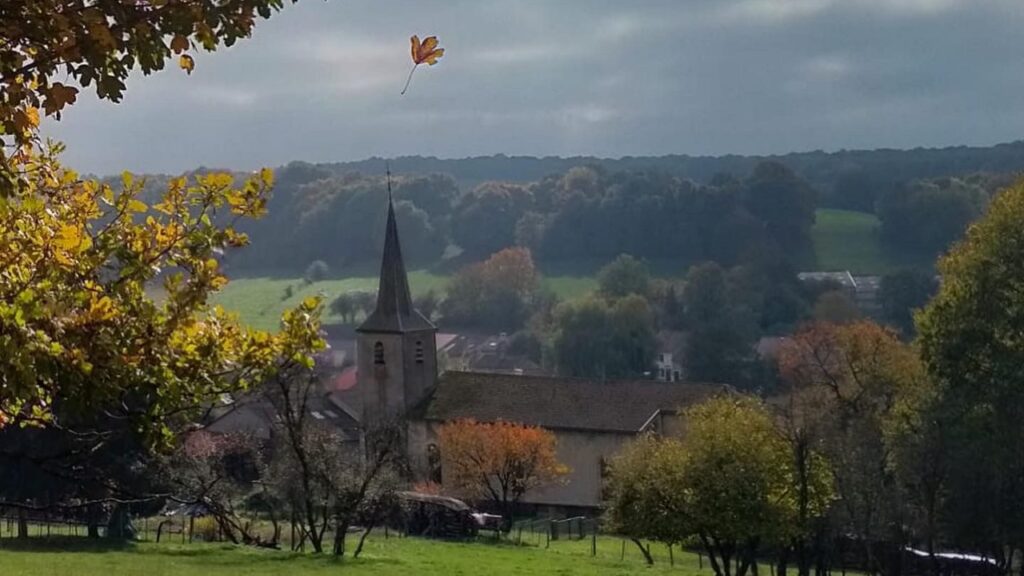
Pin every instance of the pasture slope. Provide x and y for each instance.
(843, 240)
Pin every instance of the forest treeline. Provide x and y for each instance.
(729, 209)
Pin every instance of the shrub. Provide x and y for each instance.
(206, 529)
(316, 271)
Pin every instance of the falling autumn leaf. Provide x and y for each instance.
(425, 52)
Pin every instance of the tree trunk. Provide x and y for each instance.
(782, 561)
(340, 530)
(22, 524)
(745, 558)
(803, 560)
(713, 554)
(315, 536)
(643, 550)
(362, 540)
(375, 516)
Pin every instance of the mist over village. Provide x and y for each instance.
(722, 288)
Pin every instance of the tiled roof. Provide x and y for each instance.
(566, 403)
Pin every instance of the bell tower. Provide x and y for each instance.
(396, 348)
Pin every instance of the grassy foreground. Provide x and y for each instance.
(412, 556)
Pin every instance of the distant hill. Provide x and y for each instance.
(823, 169)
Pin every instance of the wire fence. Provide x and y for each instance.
(579, 535)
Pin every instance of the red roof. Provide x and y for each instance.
(345, 380)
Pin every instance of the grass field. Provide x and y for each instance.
(843, 240)
(847, 240)
(260, 301)
(79, 557)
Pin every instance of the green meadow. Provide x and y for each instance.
(843, 240)
(399, 556)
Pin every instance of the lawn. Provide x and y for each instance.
(78, 557)
(847, 240)
(260, 301)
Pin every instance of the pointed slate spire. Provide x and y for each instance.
(395, 312)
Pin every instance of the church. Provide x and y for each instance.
(398, 375)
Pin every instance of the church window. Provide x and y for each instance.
(378, 353)
(419, 352)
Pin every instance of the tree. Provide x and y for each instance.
(803, 425)
(855, 190)
(217, 473)
(434, 194)
(365, 301)
(737, 479)
(315, 272)
(926, 216)
(498, 461)
(705, 294)
(81, 333)
(100, 43)
(346, 306)
(646, 493)
(597, 340)
(720, 347)
(624, 276)
(784, 201)
(329, 479)
(856, 383)
(902, 292)
(427, 303)
(498, 293)
(835, 306)
(971, 342)
(485, 220)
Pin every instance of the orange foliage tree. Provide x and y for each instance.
(498, 461)
(498, 293)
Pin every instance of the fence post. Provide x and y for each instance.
(593, 540)
(671, 558)
(622, 556)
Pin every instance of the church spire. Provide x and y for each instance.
(394, 312)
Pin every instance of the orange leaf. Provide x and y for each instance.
(427, 52)
(415, 41)
(422, 52)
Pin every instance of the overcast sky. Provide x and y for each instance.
(320, 81)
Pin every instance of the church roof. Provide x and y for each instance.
(560, 403)
(394, 312)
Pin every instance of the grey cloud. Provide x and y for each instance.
(320, 82)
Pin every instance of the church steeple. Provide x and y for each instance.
(394, 312)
